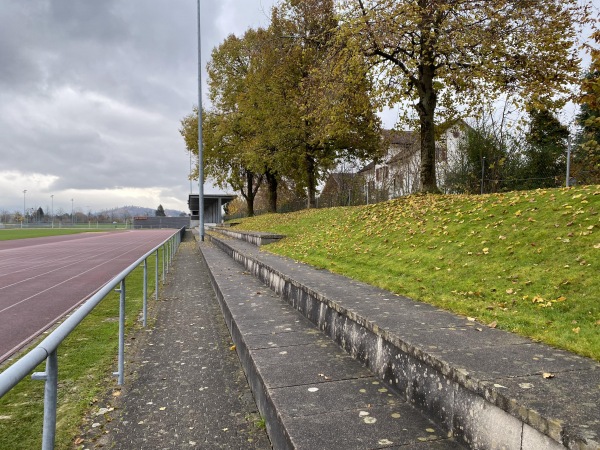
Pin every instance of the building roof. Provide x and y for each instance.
(396, 137)
(342, 177)
(209, 200)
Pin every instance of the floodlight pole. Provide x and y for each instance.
(200, 152)
(24, 192)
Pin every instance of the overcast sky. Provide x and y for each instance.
(92, 93)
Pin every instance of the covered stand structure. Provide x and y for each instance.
(213, 208)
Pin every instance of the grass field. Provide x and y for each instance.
(25, 233)
(526, 262)
(86, 360)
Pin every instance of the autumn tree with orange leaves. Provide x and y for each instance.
(446, 57)
(589, 116)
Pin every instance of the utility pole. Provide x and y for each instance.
(568, 180)
(482, 172)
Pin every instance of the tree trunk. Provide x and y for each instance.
(311, 181)
(250, 193)
(272, 191)
(426, 109)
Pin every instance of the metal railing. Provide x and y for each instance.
(47, 349)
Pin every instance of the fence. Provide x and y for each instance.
(66, 225)
(47, 349)
(485, 176)
(161, 222)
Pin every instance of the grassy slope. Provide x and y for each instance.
(527, 262)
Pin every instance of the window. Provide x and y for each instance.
(382, 174)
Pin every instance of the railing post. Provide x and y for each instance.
(50, 376)
(163, 264)
(156, 277)
(168, 252)
(48, 348)
(168, 255)
(145, 304)
(121, 365)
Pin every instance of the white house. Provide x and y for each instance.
(398, 172)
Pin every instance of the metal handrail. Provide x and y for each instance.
(46, 350)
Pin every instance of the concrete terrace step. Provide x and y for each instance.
(311, 393)
(485, 386)
(254, 237)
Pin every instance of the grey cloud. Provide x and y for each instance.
(87, 21)
(130, 68)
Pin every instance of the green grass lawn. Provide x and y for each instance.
(25, 233)
(526, 262)
(86, 360)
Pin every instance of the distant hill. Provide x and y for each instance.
(136, 211)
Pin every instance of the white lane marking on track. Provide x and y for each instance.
(68, 279)
(36, 248)
(58, 268)
(33, 263)
(78, 242)
(79, 302)
(45, 327)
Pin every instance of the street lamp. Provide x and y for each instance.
(200, 158)
(72, 217)
(24, 191)
(52, 210)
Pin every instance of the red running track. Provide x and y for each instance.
(42, 279)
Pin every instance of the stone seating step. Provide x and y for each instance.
(257, 238)
(311, 393)
(485, 386)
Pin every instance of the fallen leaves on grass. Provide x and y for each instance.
(432, 248)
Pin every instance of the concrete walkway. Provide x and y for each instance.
(184, 386)
(312, 394)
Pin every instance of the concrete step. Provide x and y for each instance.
(257, 238)
(312, 394)
(485, 386)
